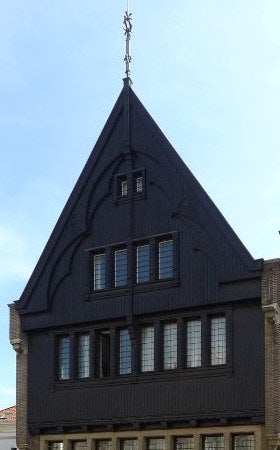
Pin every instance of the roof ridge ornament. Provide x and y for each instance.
(127, 26)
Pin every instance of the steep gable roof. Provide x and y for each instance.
(130, 130)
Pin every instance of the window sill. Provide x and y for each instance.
(143, 287)
(128, 198)
(174, 374)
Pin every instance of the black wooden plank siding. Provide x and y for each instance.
(214, 272)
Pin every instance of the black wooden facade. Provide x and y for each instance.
(213, 275)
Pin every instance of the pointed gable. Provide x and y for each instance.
(212, 265)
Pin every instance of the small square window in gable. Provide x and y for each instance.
(128, 186)
(139, 183)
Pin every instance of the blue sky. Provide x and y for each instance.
(208, 71)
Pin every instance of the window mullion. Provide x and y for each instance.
(153, 259)
(205, 339)
(158, 346)
(73, 354)
(92, 354)
(180, 343)
(109, 266)
(113, 351)
(130, 263)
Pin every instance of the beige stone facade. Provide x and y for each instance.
(271, 308)
(18, 340)
(142, 437)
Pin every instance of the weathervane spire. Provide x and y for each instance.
(127, 26)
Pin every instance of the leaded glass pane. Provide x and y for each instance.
(184, 443)
(125, 352)
(194, 343)
(142, 263)
(99, 271)
(218, 341)
(170, 346)
(165, 259)
(129, 444)
(55, 445)
(147, 348)
(64, 358)
(244, 442)
(103, 444)
(83, 356)
(139, 184)
(121, 267)
(156, 444)
(79, 445)
(213, 443)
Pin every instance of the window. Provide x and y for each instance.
(218, 340)
(184, 443)
(99, 271)
(124, 352)
(122, 186)
(151, 259)
(170, 346)
(142, 263)
(213, 443)
(138, 183)
(165, 259)
(103, 444)
(64, 358)
(193, 352)
(129, 444)
(147, 349)
(244, 442)
(55, 445)
(104, 353)
(120, 267)
(83, 356)
(79, 445)
(156, 444)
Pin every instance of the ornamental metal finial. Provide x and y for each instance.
(127, 26)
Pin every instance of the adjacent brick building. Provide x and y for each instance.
(146, 323)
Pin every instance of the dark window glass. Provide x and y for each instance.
(124, 352)
(64, 358)
(142, 263)
(170, 346)
(83, 356)
(121, 267)
(184, 443)
(99, 271)
(218, 340)
(104, 354)
(165, 259)
(122, 186)
(193, 343)
(139, 184)
(244, 442)
(213, 443)
(147, 348)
